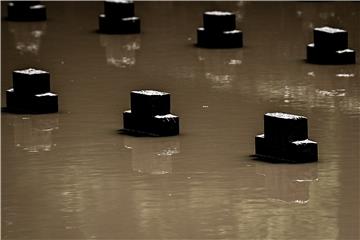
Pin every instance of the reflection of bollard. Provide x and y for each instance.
(27, 36)
(220, 66)
(34, 133)
(330, 47)
(150, 114)
(288, 183)
(152, 155)
(118, 18)
(219, 31)
(31, 93)
(285, 139)
(120, 50)
(26, 11)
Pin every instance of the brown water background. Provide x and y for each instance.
(71, 176)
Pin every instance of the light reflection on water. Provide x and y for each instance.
(33, 133)
(98, 184)
(220, 66)
(27, 36)
(289, 183)
(152, 155)
(120, 50)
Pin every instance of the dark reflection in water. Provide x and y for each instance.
(120, 50)
(152, 155)
(33, 133)
(27, 36)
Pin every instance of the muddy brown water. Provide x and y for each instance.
(71, 176)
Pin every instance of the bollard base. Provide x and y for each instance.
(336, 57)
(157, 126)
(31, 104)
(302, 151)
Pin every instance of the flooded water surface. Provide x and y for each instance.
(70, 175)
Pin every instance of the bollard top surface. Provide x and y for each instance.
(232, 31)
(345, 50)
(37, 6)
(130, 18)
(46, 94)
(165, 116)
(328, 29)
(218, 13)
(30, 71)
(284, 115)
(119, 1)
(303, 142)
(150, 92)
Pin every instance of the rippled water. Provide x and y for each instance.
(72, 176)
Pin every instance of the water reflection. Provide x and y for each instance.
(27, 36)
(289, 182)
(219, 66)
(34, 133)
(120, 50)
(327, 88)
(152, 155)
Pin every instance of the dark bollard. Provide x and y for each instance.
(118, 18)
(328, 38)
(149, 103)
(285, 139)
(31, 93)
(119, 9)
(150, 115)
(280, 127)
(219, 31)
(217, 21)
(26, 11)
(330, 47)
(31, 81)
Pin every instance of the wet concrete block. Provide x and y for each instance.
(116, 9)
(303, 151)
(285, 139)
(129, 25)
(150, 114)
(119, 18)
(165, 125)
(46, 103)
(260, 145)
(131, 123)
(266, 148)
(25, 3)
(31, 81)
(219, 31)
(320, 56)
(283, 128)
(329, 38)
(11, 100)
(26, 11)
(226, 39)
(346, 56)
(150, 103)
(218, 21)
(31, 93)
(31, 104)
